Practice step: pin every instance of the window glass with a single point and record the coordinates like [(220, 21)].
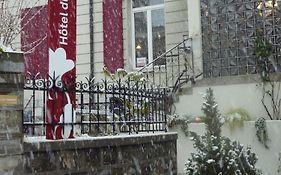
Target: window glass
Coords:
[(143, 3), (141, 39), (158, 33)]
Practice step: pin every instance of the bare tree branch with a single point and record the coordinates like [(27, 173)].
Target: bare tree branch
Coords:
[(11, 18), (265, 107)]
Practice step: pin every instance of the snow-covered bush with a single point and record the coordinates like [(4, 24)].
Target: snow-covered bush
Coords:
[(218, 155), (235, 118), (261, 131), (122, 75), (174, 120)]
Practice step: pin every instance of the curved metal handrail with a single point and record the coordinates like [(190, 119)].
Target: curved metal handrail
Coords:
[(174, 67), (163, 54)]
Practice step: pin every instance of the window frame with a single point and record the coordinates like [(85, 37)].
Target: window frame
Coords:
[(148, 10)]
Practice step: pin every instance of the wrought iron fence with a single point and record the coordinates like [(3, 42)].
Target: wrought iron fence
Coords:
[(172, 68), (101, 108)]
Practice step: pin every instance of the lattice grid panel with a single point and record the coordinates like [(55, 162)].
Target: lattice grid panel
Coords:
[(229, 29)]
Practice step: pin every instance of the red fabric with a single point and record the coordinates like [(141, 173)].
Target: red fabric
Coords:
[(61, 105), (113, 35), (34, 39)]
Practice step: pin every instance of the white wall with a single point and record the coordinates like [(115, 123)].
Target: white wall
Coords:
[(267, 158), (176, 21), (98, 38), (247, 96), (83, 40), (127, 34), (229, 92), (194, 30)]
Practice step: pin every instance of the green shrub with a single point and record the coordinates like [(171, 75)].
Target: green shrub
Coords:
[(235, 118), (217, 155)]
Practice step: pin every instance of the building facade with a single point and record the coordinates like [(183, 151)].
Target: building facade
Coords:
[(148, 29), (131, 33)]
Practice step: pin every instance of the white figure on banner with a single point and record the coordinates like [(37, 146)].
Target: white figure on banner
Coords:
[(59, 105)]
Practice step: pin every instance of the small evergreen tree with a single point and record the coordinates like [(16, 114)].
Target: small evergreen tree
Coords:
[(218, 155)]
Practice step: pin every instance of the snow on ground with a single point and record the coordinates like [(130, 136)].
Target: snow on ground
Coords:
[(36, 139)]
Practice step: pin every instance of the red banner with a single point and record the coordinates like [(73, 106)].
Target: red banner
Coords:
[(62, 58), (113, 34), (34, 40)]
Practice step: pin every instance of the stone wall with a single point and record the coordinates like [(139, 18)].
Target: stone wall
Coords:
[(11, 108), (135, 154)]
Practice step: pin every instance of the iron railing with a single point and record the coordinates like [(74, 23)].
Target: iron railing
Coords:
[(101, 108), (172, 68)]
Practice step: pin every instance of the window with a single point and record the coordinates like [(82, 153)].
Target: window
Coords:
[(148, 31)]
